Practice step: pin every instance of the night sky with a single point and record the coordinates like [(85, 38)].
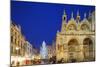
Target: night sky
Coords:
[(40, 21)]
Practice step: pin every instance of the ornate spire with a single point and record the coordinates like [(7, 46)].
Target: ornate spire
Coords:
[(77, 13), (84, 15), (64, 16), (64, 20), (72, 16), (78, 17), (64, 12), (90, 14)]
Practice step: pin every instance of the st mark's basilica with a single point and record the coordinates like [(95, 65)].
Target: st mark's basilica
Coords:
[(76, 40)]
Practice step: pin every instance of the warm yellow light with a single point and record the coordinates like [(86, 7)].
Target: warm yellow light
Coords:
[(17, 48)]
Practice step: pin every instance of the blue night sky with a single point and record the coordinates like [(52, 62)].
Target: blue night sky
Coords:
[(40, 21)]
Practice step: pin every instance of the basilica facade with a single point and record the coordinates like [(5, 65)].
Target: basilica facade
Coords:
[(76, 40)]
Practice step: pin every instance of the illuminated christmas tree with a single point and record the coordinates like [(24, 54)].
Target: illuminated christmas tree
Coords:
[(44, 51)]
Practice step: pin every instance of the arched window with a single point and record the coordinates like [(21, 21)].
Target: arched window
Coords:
[(11, 38), (64, 18)]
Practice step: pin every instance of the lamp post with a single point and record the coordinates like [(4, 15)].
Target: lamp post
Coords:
[(17, 48)]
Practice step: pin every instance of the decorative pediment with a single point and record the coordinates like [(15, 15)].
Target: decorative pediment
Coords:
[(85, 25), (72, 25)]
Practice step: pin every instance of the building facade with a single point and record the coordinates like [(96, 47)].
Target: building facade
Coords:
[(76, 40), (29, 49), (17, 41), (51, 50)]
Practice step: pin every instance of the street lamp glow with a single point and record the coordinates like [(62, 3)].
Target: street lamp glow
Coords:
[(17, 48)]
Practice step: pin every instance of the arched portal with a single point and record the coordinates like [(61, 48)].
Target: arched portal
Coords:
[(88, 49), (72, 50)]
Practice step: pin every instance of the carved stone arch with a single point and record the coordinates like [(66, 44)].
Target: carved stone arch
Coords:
[(73, 42), (72, 50), (90, 37), (73, 37), (88, 48)]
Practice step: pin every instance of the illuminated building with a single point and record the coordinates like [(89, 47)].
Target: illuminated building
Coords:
[(76, 40), (17, 41)]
